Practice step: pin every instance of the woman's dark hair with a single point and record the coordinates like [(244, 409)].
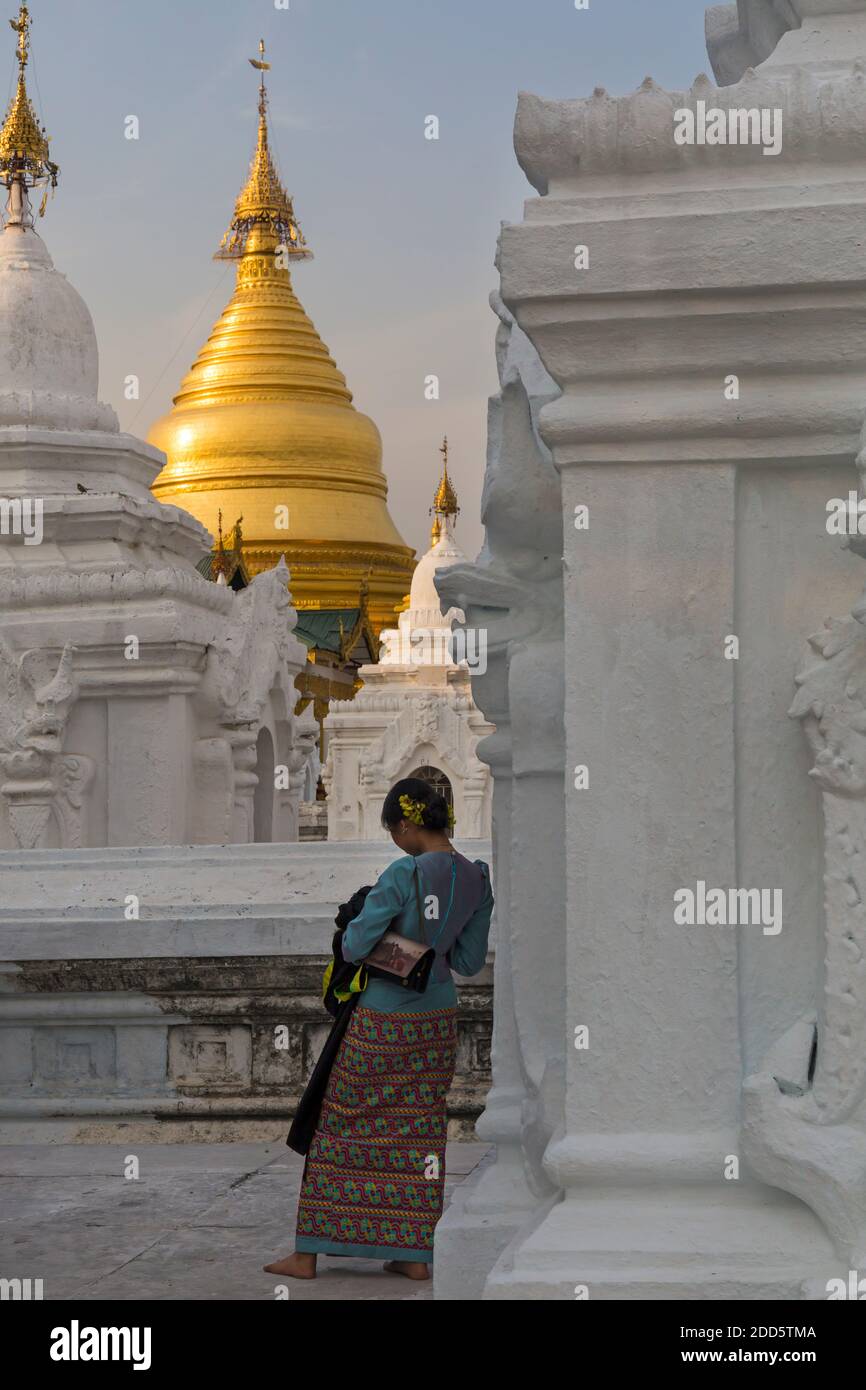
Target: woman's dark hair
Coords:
[(435, 813)]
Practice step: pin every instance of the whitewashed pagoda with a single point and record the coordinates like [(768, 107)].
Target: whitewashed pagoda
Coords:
[(415, 715), (139, 704)]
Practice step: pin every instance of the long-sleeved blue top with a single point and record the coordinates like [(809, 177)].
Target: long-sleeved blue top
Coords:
[(457, 903)]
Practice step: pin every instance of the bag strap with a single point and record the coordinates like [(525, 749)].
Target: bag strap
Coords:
[(443, 924), (418, 902), (421, 933)]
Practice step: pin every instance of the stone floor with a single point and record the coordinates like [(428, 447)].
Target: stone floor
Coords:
[(198, 1223)]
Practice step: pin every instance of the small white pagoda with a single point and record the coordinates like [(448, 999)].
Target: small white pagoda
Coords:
[(415, 715)]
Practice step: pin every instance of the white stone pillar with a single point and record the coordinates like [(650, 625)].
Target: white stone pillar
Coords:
[(513, 595), (486, 1212), (700, 307)]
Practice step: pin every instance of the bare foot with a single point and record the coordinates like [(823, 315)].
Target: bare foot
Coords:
[(413, 1269), (298, 1266)]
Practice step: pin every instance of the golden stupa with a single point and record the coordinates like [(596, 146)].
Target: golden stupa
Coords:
[(263, 426)]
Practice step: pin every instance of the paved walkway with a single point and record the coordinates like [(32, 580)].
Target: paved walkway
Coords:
[(198, 1223)]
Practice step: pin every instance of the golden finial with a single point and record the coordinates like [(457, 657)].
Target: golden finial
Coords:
[(21, 25), (260, 63), (445, 502), (220, 567), (264, 220), (24, 151), (263, 67)]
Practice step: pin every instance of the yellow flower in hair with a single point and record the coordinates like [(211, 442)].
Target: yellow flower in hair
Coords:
[(451, 818), (412, 810)]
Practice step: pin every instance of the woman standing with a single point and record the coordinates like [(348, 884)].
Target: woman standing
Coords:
[(375, 1173)]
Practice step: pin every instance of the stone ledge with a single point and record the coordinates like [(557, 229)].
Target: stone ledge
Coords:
[(119, 1048)]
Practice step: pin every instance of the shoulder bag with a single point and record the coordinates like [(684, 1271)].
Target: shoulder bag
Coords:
[(398, 958)]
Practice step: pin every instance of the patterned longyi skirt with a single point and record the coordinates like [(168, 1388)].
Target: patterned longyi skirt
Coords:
[(375, 1173)]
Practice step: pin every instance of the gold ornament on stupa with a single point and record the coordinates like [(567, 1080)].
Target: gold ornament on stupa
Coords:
[(445, 506), (24, 147), (264, 425), (263, 202)]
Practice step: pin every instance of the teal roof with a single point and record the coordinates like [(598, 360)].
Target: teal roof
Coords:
[(205, 567), (320, 627)]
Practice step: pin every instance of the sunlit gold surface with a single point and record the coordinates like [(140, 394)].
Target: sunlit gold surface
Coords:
[(264, 423)]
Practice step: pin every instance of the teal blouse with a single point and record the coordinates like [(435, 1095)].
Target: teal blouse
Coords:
[(394, 897)]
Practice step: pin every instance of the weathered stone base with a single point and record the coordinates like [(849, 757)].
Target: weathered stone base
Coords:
[(172, 1051), (202, 1020), (480, 1223), (740, 1242)]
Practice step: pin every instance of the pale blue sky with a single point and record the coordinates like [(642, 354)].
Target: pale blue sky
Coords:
[(404, 229)]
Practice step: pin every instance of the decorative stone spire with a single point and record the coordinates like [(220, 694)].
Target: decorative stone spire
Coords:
[(422, 612), (264, 218), (24, 151), (445, 506)]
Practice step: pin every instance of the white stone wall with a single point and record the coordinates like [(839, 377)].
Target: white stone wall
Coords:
[(691, 1145), (174, 994)]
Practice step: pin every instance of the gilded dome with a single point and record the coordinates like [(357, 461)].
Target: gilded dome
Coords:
[(263, 426)]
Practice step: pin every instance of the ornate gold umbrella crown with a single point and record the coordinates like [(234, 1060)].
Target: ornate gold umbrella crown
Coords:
[(24, 151), (445, 501), (263, 204)]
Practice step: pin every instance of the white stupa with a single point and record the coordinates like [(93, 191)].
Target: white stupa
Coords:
[(415, 714), (139, 703)]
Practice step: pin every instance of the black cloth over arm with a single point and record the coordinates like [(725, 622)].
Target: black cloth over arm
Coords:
[(306, 1119), (343, 971), (303, 1127)]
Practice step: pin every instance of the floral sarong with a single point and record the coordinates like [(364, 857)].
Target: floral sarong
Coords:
[(375, 1174)]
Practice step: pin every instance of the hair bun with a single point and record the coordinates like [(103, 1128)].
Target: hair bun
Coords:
[(417, 801), (436, 812)]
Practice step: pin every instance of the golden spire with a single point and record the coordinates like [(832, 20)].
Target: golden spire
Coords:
[(445, 502), (263, 425), (264, 219), (24, 161)]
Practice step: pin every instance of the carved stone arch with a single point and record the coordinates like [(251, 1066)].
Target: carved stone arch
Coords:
[(438, 779), (263, 796)]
